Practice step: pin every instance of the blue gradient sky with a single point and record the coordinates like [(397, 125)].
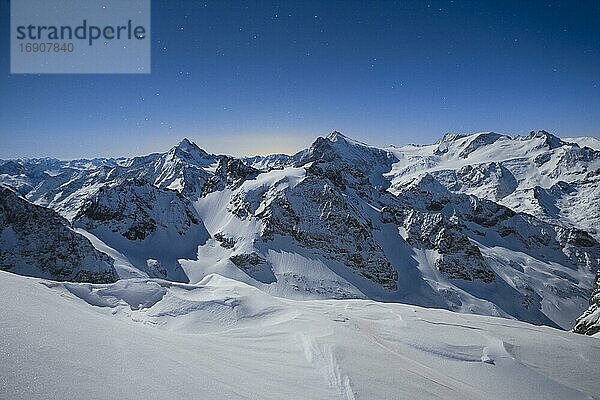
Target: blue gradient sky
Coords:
[(260, 77)]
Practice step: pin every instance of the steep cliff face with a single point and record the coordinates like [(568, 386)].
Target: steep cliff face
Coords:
[(319, 216), (153, 227), (230, 173), (136, 210), (589, 322), (36, 241)]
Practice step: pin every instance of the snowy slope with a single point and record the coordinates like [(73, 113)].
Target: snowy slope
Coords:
[(151, 339), (585, 141), (553, 179)]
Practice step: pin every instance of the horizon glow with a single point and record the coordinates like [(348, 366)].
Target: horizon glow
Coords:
[(246, 79)]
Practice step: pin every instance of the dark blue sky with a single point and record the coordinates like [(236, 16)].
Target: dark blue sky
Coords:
[(260, 77)]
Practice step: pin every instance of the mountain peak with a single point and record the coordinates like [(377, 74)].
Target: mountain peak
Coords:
[(188, 150), (186, 143), (549, 139), (337, 143), (342, 150), (450, 137), (339, 138), (336, 136)]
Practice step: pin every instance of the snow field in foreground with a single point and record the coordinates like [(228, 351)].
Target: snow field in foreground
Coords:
[(221, 339)]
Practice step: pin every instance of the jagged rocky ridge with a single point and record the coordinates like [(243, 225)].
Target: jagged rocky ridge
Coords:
[(136, 210), (555, 180), (155, 226), (36, 241), (479, 223)]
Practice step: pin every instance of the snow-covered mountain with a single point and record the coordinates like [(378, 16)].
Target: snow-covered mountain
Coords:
[(267, 162), (482, 223), (152, 226), (36, 241), (553, 179)]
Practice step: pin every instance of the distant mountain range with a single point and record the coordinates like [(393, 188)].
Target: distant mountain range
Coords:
[(482, 223)]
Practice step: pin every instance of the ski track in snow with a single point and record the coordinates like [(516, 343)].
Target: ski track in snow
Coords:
[(222, 338), (324, 359)]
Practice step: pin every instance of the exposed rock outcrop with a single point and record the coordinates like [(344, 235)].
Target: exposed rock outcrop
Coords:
[(36, 241)]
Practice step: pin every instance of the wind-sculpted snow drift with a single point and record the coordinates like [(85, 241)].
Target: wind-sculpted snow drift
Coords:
[(482, 223), (147, 338)]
